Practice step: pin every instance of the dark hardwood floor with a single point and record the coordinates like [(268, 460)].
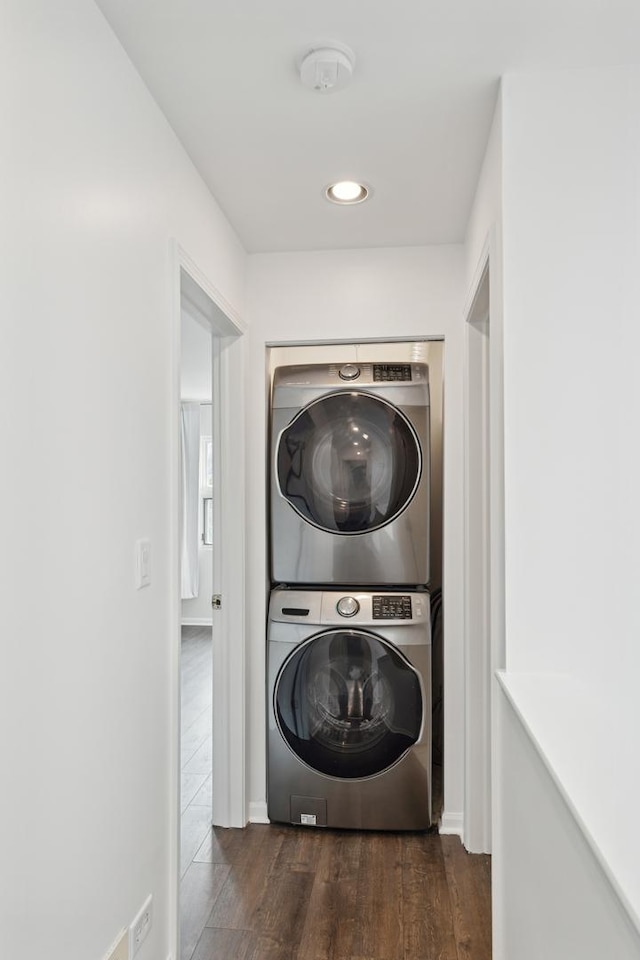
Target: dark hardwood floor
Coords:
[(275, 892)]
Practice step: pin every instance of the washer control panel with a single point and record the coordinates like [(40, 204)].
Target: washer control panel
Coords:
[(391, 607), (383, 372), (347, 606), (409, 610)]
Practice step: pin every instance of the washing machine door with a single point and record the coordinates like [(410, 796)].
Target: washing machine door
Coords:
[(348, 463), (348, 703)]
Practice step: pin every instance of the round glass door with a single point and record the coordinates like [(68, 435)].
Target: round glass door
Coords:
[(349, 463), (348, 704)]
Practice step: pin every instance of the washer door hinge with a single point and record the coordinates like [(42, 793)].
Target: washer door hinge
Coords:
[(216, 601)]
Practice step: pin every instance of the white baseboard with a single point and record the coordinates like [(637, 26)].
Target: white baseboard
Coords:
[(452, 823), (197, 622), (258, 812)]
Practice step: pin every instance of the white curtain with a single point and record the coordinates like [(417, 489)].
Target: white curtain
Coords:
[(190, 434)]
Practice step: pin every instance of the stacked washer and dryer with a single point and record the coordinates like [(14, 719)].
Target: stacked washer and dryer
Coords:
[(349, 640)]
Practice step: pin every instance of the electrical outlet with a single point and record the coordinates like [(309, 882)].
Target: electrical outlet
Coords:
[(119, 949), (140, 927)]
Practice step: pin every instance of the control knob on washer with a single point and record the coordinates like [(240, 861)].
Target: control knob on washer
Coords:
[(347, 606)]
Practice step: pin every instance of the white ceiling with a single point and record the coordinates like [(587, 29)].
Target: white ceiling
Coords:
[(413, 123)]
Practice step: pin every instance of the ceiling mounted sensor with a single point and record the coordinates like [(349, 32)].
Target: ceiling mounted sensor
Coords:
[(327, 66), (346, 192)]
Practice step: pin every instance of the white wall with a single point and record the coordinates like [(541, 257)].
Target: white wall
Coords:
[(571, 155), (560, 903), (349, 296), (572, 284), (94, 185)]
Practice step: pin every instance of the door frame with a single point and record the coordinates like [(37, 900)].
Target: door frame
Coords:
[(190, 286), (483, 537)]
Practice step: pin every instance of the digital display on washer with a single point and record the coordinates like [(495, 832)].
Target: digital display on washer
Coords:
[(391, 371), (391, 608)]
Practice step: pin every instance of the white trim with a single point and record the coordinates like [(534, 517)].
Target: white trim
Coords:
[(333, 342), (479, 686), (477, 565), (482, 266), (188, 283), (229, 802), (175, 605), (480, 718), (236, 326), (258, 812), (452, 824), (197, 622)]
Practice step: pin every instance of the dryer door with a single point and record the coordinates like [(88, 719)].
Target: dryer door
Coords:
[(349, 463), (348, 703)]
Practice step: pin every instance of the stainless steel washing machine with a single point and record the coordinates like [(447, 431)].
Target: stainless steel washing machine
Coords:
[(350, 474), (349, 694)]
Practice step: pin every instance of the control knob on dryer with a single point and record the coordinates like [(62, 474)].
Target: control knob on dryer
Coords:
[(347, 606), (349, 372)]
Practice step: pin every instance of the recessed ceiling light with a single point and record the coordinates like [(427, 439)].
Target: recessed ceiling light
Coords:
[(346, 191)]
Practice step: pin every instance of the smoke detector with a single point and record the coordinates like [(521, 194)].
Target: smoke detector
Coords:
[(327, 66)]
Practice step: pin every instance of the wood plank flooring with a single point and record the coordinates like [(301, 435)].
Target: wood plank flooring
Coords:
[(276, 892)]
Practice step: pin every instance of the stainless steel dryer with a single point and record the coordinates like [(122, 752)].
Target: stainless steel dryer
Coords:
[(350, 474), (349, 696)]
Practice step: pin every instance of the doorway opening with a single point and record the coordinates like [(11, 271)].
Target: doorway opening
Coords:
[(196, 647), (208, 700)]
